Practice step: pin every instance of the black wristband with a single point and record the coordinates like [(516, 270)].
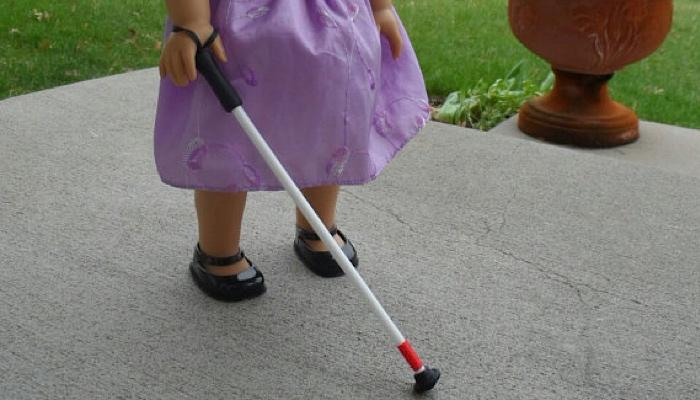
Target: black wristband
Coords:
[(195, 37), (212, 38)]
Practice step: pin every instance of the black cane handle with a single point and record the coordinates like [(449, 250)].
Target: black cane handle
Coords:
[(208, 67)]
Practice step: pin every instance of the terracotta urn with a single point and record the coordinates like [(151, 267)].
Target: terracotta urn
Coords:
[(586, 41)]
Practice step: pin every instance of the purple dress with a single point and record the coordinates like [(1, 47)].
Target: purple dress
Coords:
[(318, 82)]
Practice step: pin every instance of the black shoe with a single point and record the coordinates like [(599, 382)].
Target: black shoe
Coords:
[(321, 262), (244, 285)]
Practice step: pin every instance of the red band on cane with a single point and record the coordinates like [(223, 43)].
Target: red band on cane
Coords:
[(410, 355)]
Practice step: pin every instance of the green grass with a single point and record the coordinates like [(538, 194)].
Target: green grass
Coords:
[(458, 43), (462, 41), (48, 43)]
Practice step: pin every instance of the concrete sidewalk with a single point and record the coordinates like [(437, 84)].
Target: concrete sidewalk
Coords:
[(666, 147), (521, 270)]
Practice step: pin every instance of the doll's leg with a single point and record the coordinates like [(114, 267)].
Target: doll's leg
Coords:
[(323, 200), (219, 215)]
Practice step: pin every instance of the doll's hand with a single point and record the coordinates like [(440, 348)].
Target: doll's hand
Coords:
[(177, 59), (389, 27)]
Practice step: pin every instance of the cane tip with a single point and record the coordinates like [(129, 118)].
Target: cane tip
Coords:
[(426, 380)]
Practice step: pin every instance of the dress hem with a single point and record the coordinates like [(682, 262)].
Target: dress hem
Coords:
[(278, 187)]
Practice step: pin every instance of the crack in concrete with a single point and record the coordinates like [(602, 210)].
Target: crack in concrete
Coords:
[(561, 278), (383, 210), (589, 366), (505, 211), (577, 287)]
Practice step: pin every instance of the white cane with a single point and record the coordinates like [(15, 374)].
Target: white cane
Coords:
[(425, 377)]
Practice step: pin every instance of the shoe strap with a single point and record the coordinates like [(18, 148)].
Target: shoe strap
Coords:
[(206, 259), (311, 235)]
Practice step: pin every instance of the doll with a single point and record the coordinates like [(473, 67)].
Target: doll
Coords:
[(334, 87)]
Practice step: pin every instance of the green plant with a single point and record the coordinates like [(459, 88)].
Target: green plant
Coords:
[(485, 106)]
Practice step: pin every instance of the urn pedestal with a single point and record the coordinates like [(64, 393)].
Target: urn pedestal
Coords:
[(586, 41)]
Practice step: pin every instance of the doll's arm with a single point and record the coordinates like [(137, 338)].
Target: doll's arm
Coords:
[(380, 4), (177, 59), (387, 24), (194, 15)]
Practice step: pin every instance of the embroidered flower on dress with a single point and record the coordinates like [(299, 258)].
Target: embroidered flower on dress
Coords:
[(381, 123), (258, 12), (249, 75), (326, 18), (353, 11), (195, 151), (421, 122), (251, 174), (338, 160), (195, 159)]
